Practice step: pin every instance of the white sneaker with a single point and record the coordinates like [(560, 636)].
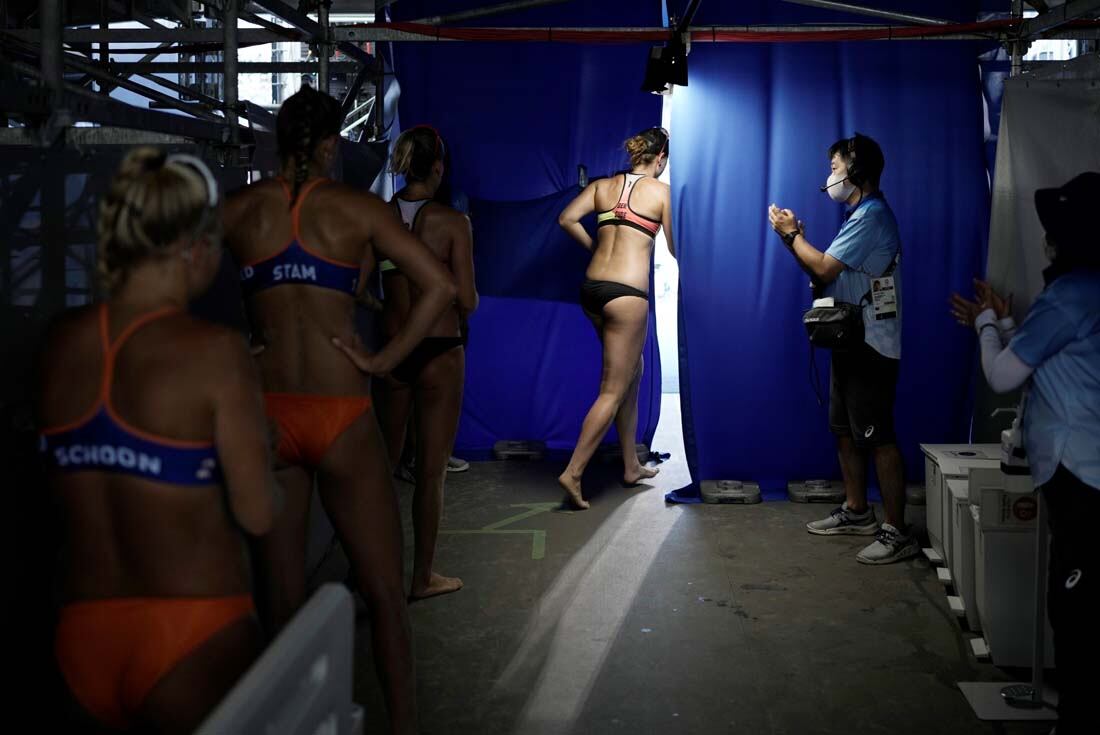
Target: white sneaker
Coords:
[(454, 464), (890, 545), (844, 521)]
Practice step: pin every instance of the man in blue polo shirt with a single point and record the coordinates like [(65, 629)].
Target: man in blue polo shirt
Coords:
[(862, 266)]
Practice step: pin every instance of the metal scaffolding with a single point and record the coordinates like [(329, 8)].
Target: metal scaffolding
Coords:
[(62, 134)]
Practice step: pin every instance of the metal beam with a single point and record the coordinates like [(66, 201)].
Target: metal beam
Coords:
[(349, 35), (289, 33), (1016, 48), (229, 57), (87, 106), (324, 48), (353, 90), (113, 135), (89, 68), (360, 34), (53, 76), (689, 15), (359, 121), (160, 34), (195, 95), (181, 15), (216, 67), (487, 11), (1072, 10), (148, 22), (105, 45), (214, 9), (293, 16), (648, 34), (378, 128), (311, 27), (873, 12)]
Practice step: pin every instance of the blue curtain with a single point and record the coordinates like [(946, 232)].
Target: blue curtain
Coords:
[(522, 116), (533, 362), (753, 128), (518, 120)]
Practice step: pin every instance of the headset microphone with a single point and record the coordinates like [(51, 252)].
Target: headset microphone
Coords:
[(830, 186)]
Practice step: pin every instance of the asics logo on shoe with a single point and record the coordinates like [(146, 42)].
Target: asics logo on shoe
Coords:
[(1073, 579), (869, 433)]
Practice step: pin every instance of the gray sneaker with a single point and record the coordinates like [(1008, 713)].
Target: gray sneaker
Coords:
[(844, 521), (890, 545), (454, 464)]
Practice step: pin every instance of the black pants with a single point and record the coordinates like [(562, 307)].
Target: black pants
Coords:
[(1074, 599)]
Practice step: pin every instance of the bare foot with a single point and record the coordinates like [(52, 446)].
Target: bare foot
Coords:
[(439, 585), (572, 487), (641, 472)]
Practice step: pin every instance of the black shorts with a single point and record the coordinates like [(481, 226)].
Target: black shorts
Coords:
[(861, 396)]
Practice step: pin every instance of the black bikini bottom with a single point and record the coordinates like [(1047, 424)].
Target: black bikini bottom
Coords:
[(428, 349), (596, 294)]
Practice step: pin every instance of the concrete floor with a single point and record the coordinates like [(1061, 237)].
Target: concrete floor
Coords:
[(646, 618)]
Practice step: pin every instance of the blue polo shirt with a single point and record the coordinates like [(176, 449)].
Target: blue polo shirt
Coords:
[(1060, 339), (866, 244)]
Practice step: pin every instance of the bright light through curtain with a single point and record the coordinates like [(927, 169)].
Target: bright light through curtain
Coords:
[(519, 118)]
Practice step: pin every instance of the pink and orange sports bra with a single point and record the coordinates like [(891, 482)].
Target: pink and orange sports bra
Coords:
[(622, 214)]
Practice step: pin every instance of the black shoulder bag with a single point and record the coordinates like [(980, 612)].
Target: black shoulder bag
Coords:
[(840, 327)]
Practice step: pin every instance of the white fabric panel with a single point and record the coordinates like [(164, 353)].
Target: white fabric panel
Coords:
[(1050, 132)]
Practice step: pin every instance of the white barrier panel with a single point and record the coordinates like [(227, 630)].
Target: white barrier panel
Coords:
[(301, 685)]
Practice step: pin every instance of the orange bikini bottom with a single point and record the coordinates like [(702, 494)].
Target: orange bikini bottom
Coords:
[(309, 424), (113, 652)]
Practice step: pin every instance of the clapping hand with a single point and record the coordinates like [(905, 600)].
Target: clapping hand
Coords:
[(990, 299), (783, 221), (966, 311)]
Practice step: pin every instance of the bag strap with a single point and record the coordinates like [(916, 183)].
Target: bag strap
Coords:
[(889, 269)]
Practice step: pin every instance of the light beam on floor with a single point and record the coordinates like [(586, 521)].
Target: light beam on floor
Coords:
[(582, 612)]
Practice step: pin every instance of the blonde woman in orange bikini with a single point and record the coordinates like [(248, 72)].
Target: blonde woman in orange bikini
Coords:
[(156, 448)]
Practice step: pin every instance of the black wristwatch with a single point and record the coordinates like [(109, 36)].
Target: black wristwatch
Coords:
[(788, 239)]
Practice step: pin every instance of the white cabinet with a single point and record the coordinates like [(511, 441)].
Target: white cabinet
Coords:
[(944, 462), (962, 548), (1004, 527)]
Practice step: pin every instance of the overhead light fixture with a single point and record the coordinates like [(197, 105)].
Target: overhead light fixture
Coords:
[(666, 67), (656, 80)]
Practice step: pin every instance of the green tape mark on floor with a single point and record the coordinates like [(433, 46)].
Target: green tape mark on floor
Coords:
[(538, 536), (533, 509)]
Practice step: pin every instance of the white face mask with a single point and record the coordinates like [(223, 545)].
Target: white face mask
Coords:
[(839, 187)]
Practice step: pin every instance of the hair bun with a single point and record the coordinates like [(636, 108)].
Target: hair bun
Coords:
[(637, 146)]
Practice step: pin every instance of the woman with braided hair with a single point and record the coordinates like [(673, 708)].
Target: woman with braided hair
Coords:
[(157, 450), (302, 242), (632, 207)]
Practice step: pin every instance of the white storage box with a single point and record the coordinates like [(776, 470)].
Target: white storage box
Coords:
[(945, 461), (1004, 572), (962, 549)]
